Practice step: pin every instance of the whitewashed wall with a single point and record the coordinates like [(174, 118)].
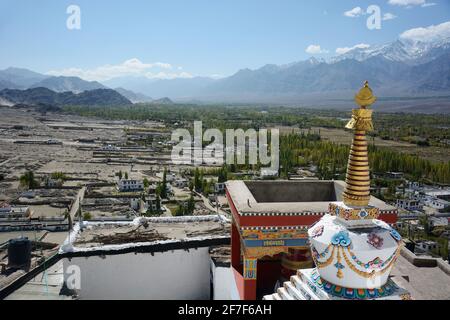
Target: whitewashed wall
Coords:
[(170, 275), (224, 285)]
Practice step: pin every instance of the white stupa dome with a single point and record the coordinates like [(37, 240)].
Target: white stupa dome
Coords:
[(358, 258)]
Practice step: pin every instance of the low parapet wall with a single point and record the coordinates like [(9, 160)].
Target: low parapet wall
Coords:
[(425, 262)]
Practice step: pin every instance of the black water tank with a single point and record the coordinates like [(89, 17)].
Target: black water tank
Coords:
[(19, 253)]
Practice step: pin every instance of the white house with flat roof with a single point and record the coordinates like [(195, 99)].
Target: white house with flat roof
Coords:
[(124, 185), (409, 204)]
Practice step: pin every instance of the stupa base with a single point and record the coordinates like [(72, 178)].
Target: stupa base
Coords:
[(307, 285)]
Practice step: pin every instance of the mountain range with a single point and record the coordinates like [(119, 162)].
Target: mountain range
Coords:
[(44, 96), (134, 97), (403, 68), (63, 84)]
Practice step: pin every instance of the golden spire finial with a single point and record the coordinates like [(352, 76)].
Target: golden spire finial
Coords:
[(365, 97), (357, 190)]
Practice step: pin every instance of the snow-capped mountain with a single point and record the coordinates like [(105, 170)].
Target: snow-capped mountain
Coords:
[(402, 50)]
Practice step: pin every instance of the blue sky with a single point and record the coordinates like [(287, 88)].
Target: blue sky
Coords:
[(176, 38)]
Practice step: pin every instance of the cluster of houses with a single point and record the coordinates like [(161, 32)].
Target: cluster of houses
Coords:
[(415, 197), (424, 201), (148, 201), (9, 211)]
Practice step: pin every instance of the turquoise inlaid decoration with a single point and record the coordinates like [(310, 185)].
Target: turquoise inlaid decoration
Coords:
[(396, 235), (250, 268), (341, 239)]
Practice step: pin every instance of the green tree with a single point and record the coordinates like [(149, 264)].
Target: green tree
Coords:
[(87, 216), (27, 180), (146, 183), (191, 205), (223, 174), (162, 186), (180, 211), (426, 224), (198, 180), (59, 176), (158, 203)]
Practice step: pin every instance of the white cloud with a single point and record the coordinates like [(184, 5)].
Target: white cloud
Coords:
[(131, 67), (405, 3), (347, 49), (315, 49), (411, 3), (428, 34), (355, 12), (389, 16), (428, 4)]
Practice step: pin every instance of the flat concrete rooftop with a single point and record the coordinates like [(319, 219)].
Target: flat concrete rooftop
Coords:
[(292, 191), (148, 230), (424, 283), (285, 196)]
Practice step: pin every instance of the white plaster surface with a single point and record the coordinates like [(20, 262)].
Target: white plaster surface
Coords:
[(177, 274), (224, 284)]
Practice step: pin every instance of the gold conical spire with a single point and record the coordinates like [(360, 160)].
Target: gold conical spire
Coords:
[(365, 97), (357, 190)]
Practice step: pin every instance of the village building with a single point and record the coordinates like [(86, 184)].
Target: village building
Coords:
[(5, 207), (180, 183), (436, 203), (267, 173), (30, 194), (438, 222), (219, 187), (409, 204), (394, 175), (426, 246), (144, 204), (129, 185), (50, 182), (9, 211), (109, 147), (443, 194)]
